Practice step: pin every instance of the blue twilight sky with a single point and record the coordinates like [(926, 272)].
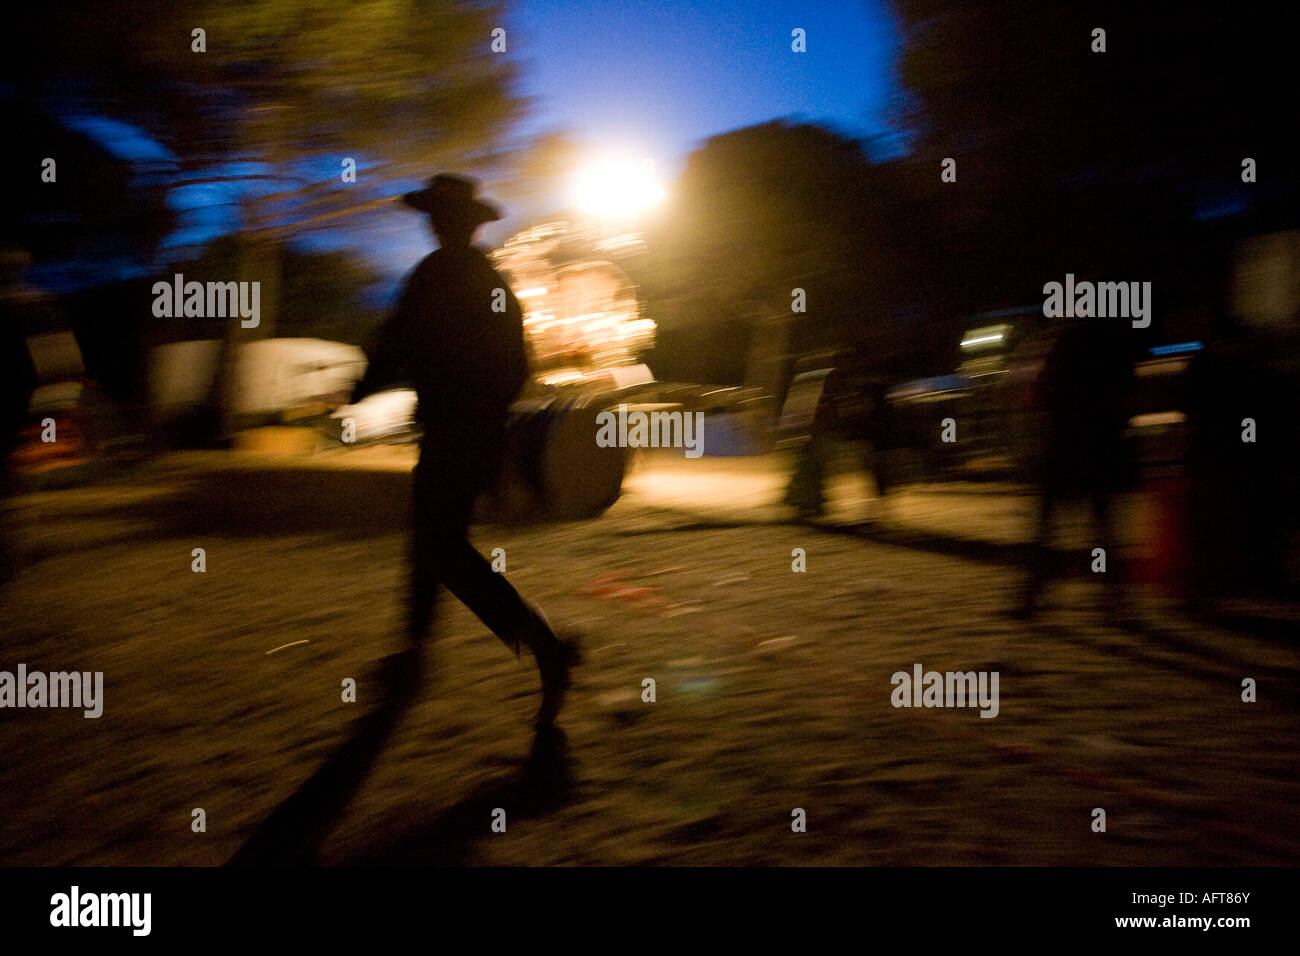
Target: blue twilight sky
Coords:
[(667, 74), (653, 77)]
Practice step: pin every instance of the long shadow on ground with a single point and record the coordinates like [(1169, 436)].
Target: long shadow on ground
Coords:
[(295, 831), (542, 784), (973, 549)]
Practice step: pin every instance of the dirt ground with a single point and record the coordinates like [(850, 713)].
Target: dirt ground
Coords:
[(772, 687)]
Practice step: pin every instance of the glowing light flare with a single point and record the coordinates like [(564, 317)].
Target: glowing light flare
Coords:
[(614, 187)]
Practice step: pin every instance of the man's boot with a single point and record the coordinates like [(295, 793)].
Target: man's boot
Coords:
[(556, 657), (555, 662)]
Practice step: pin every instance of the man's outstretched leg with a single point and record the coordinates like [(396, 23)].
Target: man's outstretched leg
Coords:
[(445, 492), (469, 576)]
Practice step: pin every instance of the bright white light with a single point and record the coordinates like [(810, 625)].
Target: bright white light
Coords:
[(562, 377), (531, 293), (615, 187), (983, 338)]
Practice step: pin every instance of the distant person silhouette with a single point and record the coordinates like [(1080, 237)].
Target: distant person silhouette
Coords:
[(1242, 511), (1084, 388), (17, 383), (853, 406), (457, 336)]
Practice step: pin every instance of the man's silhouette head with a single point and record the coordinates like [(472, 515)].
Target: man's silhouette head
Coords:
[(454, 211)]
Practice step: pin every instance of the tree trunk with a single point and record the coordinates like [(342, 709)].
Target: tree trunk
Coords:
[(766, 362), (259, 261)]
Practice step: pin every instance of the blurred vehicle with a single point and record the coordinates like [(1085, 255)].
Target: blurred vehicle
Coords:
[(554, 469), (905, 420), (991, 398), (974, 397), (68, 422)]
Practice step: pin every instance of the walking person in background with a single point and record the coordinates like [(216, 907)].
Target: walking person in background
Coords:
[(457, 336), (853, 406), (1084, 388)]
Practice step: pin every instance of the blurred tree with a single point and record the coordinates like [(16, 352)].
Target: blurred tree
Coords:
[(1071, 159), (411, 84), (412, 81), (539, 171), (757, 214), (324, 297), (100, 210), (323, 293)]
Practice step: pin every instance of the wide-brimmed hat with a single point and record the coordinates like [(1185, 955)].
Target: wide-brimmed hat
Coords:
[(453, 196)]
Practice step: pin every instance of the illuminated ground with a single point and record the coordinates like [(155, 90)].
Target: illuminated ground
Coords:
[(773, 688)]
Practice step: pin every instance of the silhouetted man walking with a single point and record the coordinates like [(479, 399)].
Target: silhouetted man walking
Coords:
[(457, 336)]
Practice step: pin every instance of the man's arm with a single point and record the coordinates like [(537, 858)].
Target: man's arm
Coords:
[(388, 358)]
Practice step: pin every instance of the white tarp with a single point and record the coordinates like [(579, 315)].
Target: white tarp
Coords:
[(275, 374), (270, 374)]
